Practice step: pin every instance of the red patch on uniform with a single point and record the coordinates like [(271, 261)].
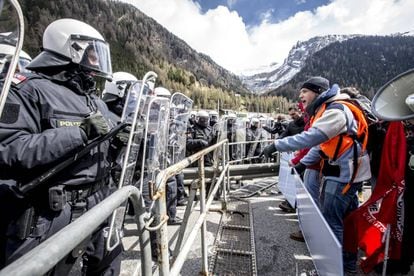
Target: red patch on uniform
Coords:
[(17, 78)]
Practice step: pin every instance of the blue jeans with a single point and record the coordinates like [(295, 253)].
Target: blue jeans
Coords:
[(311, 181), (335, 206)]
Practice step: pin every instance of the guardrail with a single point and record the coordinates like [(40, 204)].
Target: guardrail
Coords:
[(45, 256)]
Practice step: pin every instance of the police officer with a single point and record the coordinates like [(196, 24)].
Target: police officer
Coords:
[(214, 117), (115, 92), (200, 137), (254, 134), (6, 54), (172, 184), (50, 115)]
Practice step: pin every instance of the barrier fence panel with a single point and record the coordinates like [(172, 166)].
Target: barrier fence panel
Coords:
[(287, 179), (324, 247)]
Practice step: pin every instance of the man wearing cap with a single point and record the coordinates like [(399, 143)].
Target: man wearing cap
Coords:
[(331, 122)]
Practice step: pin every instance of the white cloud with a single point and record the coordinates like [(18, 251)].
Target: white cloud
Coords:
[(224, 36)]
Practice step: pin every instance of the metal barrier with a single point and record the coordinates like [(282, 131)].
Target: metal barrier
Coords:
[(324, 247), (45, 256)]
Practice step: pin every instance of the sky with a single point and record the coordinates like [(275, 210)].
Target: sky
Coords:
[(241, 35)]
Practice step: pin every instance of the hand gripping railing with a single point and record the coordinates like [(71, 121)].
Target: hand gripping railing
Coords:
[(45, 256)]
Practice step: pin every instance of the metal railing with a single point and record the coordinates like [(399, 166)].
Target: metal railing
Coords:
[(45, 256)]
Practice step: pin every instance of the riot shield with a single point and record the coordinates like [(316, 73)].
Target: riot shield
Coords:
[(234, 129), (255, 136), (264, 134), (133, 114), (155, 140), (11, 33), (240, 138), (180, 108)]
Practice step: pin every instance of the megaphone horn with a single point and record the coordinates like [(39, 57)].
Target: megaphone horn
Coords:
[(395, 100)]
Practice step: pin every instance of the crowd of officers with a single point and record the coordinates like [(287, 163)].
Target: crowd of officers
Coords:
[(51, 113)]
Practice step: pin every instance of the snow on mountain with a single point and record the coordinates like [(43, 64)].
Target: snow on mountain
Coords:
[(264, 81), (261, 69)]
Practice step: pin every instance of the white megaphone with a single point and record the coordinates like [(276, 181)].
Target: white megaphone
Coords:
[(395, 100)]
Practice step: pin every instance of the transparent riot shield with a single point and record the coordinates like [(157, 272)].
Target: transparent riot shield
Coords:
[(240, 138), (264, 134), (180, 108), (155, 140), (133, 114), (255, 136), (234, 129), (11, 33)]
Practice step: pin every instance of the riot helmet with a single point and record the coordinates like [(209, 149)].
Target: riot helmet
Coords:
[(202, 118), (6, 53), (214, 117), (255, 123), (69, 41), (117, 88), (231, 119)]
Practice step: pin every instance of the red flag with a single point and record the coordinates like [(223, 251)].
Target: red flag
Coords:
[(365, 227)]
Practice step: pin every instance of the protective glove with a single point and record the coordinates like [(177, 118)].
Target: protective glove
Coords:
[(123, 136), (202, 143), (95, 125), (268, 150), (300, 168)]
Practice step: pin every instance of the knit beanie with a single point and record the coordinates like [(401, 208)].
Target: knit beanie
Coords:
[(316, 84)]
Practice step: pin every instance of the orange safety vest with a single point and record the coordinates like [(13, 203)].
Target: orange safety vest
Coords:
[(336, 146)]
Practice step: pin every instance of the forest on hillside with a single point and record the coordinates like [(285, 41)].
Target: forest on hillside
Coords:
[(139, 44), (366, 63)]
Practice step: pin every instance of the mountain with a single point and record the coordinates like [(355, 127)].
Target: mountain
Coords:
[(365, 62), (267, 81), (139, 44)]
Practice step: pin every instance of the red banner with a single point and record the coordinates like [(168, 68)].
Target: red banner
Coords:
[(365, 227)]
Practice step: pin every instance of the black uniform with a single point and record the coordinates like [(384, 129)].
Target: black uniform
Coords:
[(294, 127), (198, 138), (278, 128), (253, 149), (39, 129)]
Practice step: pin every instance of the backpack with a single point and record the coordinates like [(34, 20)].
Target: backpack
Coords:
[(376, 128)]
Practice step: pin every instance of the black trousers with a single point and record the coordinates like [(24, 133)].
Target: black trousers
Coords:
[(95, 259)]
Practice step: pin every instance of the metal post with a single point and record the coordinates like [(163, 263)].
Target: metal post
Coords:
[(162, 234), (228, 172), (387, 235), (223, 157), (203, 211)]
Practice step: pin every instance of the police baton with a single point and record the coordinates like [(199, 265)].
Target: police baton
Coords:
[(63, 165)]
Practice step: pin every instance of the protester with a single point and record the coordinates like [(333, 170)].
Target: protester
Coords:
[(332, 121)]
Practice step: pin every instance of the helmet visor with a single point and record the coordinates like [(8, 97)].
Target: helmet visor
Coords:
[(91, 54), (23, 62)]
